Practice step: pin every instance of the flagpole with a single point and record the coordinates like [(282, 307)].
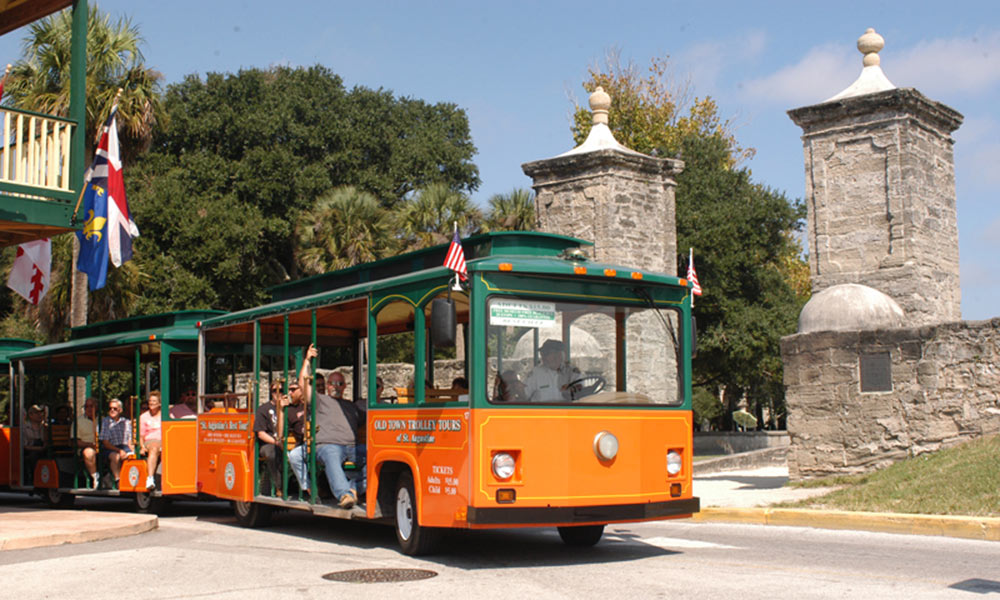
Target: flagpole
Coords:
[(83, 187), (691, 262)]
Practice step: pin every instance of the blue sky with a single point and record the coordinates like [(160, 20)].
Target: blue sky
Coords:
[(516, 67)]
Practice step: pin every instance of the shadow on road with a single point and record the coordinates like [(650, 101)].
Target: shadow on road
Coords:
[(470, 550)]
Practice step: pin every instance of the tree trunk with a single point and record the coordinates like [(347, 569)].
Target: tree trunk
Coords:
[(78, 312)]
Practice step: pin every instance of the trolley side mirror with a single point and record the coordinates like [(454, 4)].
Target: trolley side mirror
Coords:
[(443, 322), (694, 336)]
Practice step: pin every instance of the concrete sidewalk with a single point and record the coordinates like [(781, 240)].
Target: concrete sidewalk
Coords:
[(746, 496), (22, 528)]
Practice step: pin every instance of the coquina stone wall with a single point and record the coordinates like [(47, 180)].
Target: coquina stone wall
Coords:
[(945, 389), (880, 193)]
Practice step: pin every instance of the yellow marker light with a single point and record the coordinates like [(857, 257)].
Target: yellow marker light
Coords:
[(580, 270), (683, 282), (636, 275), (675, 490), (610, 272), (506, 496), (152, 337), (505, 267)]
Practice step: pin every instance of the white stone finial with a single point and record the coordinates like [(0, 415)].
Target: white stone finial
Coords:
[(600, 103), (869, 45), (872, 79)]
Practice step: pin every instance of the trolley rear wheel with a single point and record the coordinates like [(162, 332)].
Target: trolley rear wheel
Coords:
[(56, 499), (148, 503), (252, 514), (581, 535)]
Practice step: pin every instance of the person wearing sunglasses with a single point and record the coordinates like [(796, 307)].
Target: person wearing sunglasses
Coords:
[(115, 434)]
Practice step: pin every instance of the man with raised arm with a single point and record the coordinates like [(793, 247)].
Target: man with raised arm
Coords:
[(337, 421), (297, 415)]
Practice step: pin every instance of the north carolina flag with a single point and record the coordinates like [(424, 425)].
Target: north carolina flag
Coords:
[(455, 260), (692, 276), (30, 274), (108, 227)]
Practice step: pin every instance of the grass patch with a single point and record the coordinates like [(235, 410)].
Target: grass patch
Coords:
[(963, 480)]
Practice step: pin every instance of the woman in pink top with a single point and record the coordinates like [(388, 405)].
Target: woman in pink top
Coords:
[(149, 438)]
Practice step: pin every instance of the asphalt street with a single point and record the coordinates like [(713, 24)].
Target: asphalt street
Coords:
[(199, 552)]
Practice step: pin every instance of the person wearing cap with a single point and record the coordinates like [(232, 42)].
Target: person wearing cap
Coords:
[(549, 381)]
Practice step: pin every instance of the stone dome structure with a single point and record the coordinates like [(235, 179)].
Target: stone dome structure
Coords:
[(850, 307)]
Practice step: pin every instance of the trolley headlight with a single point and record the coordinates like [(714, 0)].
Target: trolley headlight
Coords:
[(605, 445), (503, 466), (673, 462)]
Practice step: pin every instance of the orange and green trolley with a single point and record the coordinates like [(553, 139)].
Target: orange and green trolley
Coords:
[(469, 431), (124, 360)]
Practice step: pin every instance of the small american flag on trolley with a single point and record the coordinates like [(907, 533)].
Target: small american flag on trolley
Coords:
[(692, 276), (456, 258)]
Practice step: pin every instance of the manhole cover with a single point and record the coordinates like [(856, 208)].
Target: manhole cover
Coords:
[(379, 575)]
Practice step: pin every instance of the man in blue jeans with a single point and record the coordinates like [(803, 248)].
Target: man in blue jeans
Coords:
[(337, 421)]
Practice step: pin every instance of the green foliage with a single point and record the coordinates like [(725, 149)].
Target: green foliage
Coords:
[(513, 211), (40, 80), (706, 406), (740, 233), (244, 188), (430, 217), (964, 480), (344, 228)]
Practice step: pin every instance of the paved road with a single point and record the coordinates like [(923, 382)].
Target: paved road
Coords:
[(198, 552)]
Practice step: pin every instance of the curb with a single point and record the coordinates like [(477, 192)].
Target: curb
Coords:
[(15, 542), (752, 459), (975, 528)]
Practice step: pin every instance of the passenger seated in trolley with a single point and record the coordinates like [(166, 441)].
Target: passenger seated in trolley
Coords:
[(187, 408), (86, 440), (150, 439), (549, 381), (34, 442), (337, 421), (265, 428), (115, 434)]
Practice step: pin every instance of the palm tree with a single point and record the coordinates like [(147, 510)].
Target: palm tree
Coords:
[(513, 211), (427, 219), (41, 82), (344, 228)]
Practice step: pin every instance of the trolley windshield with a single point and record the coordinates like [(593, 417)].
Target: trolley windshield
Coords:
[(556, 352)]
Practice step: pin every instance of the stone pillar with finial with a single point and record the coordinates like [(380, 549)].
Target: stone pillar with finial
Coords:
[(617, 198), (880, 192)]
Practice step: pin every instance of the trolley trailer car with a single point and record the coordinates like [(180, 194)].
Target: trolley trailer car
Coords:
[(124, 360), (469, 431)]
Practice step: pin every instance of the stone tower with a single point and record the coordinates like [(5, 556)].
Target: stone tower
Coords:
[(880, 192), (618, 198)]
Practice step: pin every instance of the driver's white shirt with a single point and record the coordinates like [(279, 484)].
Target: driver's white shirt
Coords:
[(545, 384)]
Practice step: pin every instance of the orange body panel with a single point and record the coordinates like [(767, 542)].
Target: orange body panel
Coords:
[(435, 445), (556, 464), (180, 448), (133, 475), (5, 456), (46, 474), (224, 459)]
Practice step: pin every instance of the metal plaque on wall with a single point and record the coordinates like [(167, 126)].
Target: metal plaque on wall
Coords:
[(876, 372)]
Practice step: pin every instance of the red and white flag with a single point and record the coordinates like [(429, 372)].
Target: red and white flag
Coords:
[(455, 260), (29, 276), (692, 276)]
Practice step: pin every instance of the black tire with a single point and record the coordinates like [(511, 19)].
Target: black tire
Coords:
[(414, 539), (581, 535), (252, 514), (147, 503), (56, 499)]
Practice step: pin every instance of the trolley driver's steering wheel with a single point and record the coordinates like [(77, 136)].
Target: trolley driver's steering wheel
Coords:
[(585, 386)]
